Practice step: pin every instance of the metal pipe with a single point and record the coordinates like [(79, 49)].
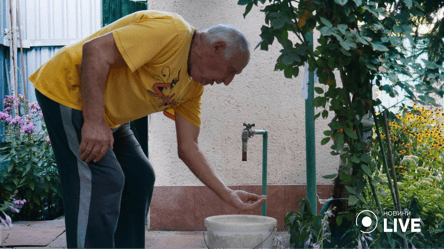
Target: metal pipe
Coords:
[(310, 137), (264, 167), (247, 133)]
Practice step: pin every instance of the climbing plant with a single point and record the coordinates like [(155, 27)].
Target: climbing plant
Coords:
[(360, 44)]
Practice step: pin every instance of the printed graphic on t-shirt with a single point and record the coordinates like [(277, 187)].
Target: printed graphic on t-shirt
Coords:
[(163, 84)]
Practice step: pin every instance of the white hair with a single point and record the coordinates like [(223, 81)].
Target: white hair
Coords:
[(232, 36)]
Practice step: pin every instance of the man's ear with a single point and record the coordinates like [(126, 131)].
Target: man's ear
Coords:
[(219, 46)]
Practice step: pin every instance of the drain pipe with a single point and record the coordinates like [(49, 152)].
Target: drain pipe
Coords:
[(247, 133)]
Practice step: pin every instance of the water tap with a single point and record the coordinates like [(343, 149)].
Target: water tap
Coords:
[(246, 133)]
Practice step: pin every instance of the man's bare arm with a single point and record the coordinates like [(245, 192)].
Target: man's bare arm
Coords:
[(188, 150), (98, 56)]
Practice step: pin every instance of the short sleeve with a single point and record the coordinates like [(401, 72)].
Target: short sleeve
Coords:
[(141, 41), (189, 109)]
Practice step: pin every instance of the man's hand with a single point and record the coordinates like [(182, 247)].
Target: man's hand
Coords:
[(96, 139), (245, 201)]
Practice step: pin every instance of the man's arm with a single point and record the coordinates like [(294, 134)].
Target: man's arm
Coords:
[(98, 56), (189, 153)]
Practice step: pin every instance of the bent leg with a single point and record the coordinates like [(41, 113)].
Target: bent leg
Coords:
[(91, 191), (138, 190)]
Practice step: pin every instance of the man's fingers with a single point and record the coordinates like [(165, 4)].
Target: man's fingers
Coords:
[(254, 201), (86, 150), (102, 153), (259, 202), (94, 153), (252, 196), (254, 205), (83, 146), (111, 143)]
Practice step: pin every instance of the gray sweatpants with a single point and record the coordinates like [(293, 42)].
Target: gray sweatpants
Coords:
[(106, 203)]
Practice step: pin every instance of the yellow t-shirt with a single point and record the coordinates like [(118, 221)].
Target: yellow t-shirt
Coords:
[(155, 45)]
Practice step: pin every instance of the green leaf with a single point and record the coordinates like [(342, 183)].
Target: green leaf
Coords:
[(395, 41), (331, 62), (324, 114), (358, 2), (325, 140), (287, 60), (339, 220), (407, 29), (28, 167), (32, 185), (366, 169), (319, 90), (350, 189), (397, 29), (278, 23), (360, 197), (362, 40), (248, 9), (355, 159), (345, 52), (347, 44), (339, 141), (326, 31), (329, 176), (379, 47), (288, 72), (366, 158), (244, 2), (341, 2), (16, 181), (352, 200), (343, 28), (409, 3), (336, 125), (350, 133), (336, 104), (320, 62), (36, 199), (326, 22)]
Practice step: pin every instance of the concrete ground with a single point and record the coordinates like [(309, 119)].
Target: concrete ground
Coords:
[(51, 234)]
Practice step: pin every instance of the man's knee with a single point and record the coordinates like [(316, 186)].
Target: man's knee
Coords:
[(150, 175)]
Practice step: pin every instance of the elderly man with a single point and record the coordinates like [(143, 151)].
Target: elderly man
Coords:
[(146, 62)]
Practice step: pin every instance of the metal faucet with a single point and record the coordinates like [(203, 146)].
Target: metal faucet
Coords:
[(246, 133)]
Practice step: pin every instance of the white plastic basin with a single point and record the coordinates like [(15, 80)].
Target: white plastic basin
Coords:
[(240, 231)]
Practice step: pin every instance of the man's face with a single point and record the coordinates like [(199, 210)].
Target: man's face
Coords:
[(214, 67)]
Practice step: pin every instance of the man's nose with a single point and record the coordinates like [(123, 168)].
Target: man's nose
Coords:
[(228, 80)]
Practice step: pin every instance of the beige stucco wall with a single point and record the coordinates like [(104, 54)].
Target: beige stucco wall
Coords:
[(259, 95)]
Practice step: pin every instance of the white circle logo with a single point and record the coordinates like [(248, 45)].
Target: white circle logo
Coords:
[(367, 221)]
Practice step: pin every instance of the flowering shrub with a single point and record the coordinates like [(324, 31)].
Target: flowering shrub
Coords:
[(15, 207), (417, 139), (420, 133), (29, 170)]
